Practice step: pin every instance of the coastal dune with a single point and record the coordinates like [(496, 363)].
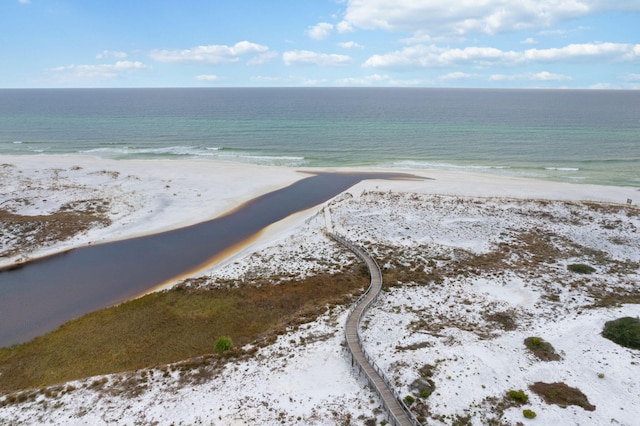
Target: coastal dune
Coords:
[(150, 196), (482, 316)]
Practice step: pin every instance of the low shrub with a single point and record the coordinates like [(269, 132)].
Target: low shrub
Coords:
[(409, 399), (529, 414), (624, 331), (223, 344), (519, 396), (542, 349), (580, 268)]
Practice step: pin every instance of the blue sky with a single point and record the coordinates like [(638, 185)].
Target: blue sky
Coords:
[(423, 43)]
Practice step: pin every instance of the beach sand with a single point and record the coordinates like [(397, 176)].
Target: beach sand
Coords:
[(150, 196), (305, 377)]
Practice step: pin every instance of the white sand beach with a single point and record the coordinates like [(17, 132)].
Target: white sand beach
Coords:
[(457, 326)]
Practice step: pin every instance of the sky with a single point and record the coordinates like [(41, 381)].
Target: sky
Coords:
[(582, 44)]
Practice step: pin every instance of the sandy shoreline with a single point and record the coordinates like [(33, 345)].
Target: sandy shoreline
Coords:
[(469, 324), (150, 196)]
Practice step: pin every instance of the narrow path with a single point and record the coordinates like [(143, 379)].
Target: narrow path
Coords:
[(398, 412)]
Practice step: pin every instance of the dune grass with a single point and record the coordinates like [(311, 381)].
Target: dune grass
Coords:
[(169, 326)]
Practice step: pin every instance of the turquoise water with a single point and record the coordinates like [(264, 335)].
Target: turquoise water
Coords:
[(573, 136)]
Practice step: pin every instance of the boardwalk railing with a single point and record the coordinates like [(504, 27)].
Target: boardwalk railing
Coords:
[(398, 412)]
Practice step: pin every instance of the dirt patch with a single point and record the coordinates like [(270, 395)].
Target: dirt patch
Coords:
[(542, 349), (561, 394), (23, 234)]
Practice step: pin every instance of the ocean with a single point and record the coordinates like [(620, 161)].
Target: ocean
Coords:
[(580, 136)]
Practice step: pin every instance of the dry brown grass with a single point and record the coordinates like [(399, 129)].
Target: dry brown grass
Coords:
[(169, 326), (26, 233), (561, 394)]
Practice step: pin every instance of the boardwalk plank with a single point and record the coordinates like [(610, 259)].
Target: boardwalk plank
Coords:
[(396, 412)]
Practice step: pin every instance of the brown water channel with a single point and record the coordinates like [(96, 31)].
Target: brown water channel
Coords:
[(43, 294)]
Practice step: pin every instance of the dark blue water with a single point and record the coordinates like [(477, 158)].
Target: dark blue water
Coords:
[(582, 136)]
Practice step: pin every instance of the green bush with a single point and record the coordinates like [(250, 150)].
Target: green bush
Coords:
[(519, 396), (533, 342), (409, 399), (529, 414), (624, 331), (580, 268), (223, 344)]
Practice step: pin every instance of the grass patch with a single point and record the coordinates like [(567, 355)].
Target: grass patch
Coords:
[(561, 394), (518, 396), (624, 331), (223, 344), (542, 349), (168, 326), (580, 268)]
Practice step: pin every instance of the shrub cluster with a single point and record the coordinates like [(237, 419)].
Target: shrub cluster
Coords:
[(580, 268), (542, 349), (624, 331), (518, 396)]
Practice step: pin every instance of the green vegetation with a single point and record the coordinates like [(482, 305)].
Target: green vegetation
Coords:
[(541, 349), (580, 268), (561, 394), (169, 326), (425, 394), (409, 399), (518, 396), (533, 342), (624, 331), (529, 414), (223, 344)]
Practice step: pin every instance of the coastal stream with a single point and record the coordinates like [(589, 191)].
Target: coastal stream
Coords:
[(41, 295)]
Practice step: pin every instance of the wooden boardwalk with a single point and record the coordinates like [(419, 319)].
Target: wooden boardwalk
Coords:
[(397, 411)]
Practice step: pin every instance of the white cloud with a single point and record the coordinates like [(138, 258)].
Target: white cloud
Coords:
[(423, 56), (620, 50), (540, 76), (631, 77), (320, 31), (364, 81), (344, 27), (263, 58), (457, 75), (289, 80), (111, 54), (349, 45), (211, 54), (24, 1), (306, 57), (563, 32), (529, 40), (97, 72), (207, 77), (444, 17)]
